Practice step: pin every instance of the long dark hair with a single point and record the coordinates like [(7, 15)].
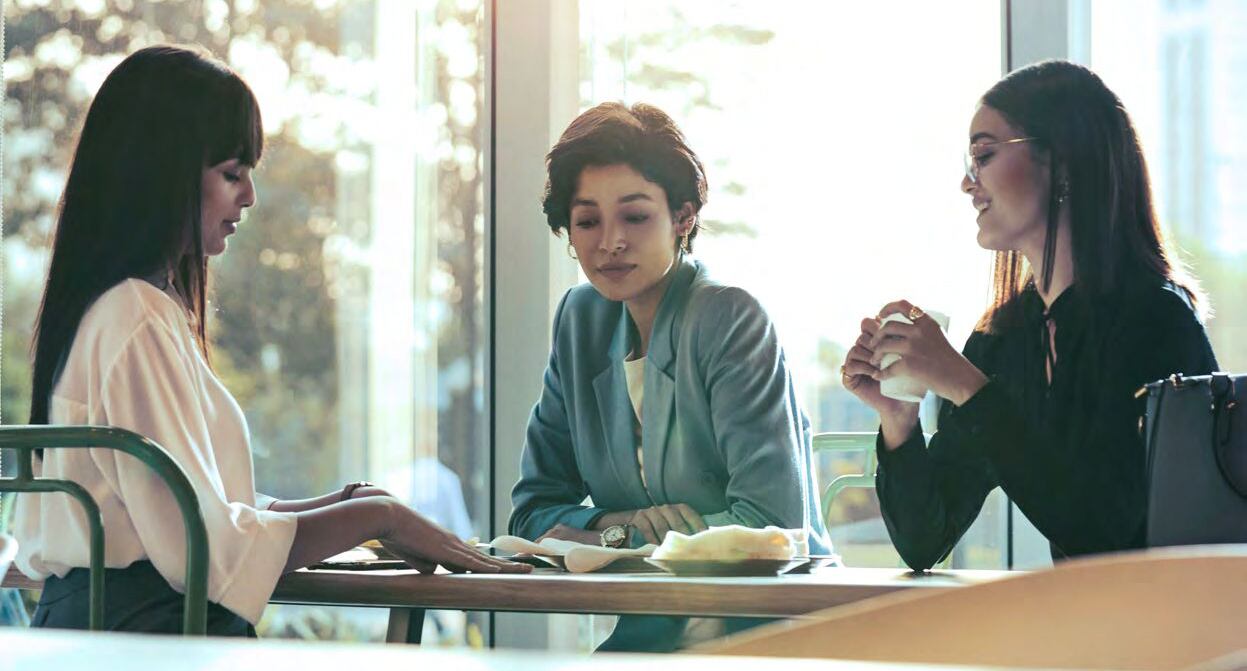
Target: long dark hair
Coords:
[(131, 206), (1093, 148)]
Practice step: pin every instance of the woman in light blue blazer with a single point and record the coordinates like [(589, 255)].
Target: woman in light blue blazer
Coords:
[(667, 400)]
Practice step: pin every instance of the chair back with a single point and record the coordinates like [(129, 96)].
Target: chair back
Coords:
[(8, 550), (25, 440), (1152, 609)]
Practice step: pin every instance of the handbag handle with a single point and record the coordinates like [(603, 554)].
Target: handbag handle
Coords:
[(1224, 400)]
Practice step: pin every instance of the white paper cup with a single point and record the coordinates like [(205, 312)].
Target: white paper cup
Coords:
[(903, 387)]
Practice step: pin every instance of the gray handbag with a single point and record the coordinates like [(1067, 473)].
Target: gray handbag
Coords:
[(1196, 437)]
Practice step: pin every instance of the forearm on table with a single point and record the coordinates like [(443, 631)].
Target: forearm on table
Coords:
[(330, 529), (304, 505)]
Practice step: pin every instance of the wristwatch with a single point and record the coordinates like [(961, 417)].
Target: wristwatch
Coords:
[(614, 536), (349, 490)]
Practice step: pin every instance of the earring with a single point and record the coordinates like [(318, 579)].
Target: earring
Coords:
[(570, 254), (684, 243), (1062, 192)]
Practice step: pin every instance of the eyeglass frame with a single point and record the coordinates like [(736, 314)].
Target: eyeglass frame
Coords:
[(972, 160)]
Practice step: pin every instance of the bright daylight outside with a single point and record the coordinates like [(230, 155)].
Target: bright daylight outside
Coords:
[(834, 188), (349, 316)]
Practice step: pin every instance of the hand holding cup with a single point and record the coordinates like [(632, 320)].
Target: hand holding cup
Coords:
[(910, 346)]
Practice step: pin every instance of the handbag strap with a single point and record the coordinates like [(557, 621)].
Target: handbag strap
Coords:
[(1224, 400), (1153, 425)]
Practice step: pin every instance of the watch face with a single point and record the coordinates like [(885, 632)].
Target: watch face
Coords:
[(613, 535)]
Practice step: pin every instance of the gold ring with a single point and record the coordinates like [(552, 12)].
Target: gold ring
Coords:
[(844, 373), (915, 313)]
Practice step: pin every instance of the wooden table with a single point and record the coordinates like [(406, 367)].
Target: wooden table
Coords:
[(407, 594), (90, 651)]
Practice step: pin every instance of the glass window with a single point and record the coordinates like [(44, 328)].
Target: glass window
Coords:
[(1178, 68), (347, 315), (832, 138)]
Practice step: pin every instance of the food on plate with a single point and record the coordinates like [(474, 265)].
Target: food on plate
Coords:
[(733, 543)]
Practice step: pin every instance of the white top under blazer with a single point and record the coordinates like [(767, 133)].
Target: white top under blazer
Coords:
[(135, 364)]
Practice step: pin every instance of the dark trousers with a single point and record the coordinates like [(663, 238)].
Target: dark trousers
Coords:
[(662, 633), (136, 599)]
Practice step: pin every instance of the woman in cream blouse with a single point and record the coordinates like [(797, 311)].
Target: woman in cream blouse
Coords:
[(159, 181)]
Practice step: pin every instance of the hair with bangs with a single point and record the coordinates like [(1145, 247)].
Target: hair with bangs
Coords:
[(1091, 142), (131, 205), (641, 137)]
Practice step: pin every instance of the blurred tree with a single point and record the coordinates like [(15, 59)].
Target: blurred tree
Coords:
[(662, 53), (274, 294)]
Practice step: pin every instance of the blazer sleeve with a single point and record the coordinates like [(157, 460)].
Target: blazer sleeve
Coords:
[(759, 428), (151, 389), (550, 490)]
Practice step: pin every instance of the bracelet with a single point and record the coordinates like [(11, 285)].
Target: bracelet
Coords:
[(349, 490)]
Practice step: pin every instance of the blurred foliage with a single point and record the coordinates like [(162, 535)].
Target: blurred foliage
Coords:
[(273, 318), (663, 54)]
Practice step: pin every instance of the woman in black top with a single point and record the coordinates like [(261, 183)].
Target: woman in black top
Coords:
[(1088, 306)]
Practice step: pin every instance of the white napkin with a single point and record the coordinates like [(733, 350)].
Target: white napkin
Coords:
[(577, 557)]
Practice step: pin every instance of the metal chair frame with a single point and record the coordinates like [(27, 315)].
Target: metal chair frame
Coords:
[(24, 440)]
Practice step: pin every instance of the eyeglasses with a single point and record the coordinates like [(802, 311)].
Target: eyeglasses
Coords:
[(975, 151)]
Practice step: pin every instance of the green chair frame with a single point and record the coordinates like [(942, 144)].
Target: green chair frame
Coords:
[(857, 441), (24, 440), (852, 441)]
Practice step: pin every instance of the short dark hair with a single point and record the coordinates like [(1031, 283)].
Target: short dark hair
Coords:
[(1092, 143), (642, 137)]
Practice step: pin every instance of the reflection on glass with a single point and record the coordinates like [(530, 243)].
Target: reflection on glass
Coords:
[(346, 316)]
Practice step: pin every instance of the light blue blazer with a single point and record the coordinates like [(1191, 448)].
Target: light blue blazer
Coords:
[(722, 430)]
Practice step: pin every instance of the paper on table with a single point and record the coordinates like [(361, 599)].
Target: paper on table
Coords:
[(577, 557)]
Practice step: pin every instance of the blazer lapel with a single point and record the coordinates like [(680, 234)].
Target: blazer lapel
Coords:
[(611, 389), (659, 401), (659, 405)]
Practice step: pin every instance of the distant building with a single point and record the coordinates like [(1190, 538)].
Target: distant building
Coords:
[(1201, 163)]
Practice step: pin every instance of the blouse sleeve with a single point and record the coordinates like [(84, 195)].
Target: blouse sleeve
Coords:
[(152, 389), (1085, 490), (930, 495), (758, 425)]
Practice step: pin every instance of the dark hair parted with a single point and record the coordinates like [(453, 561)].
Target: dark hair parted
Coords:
[(131, 205), (1094, 150), (642, 137)]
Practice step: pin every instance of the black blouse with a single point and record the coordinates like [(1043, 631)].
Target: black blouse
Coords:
[(1069, 453)]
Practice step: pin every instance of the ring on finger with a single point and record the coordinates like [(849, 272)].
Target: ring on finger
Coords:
[(915, 313)]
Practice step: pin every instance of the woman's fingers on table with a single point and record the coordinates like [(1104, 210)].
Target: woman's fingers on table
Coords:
[(691, 517), (478, 563), (673, 520), (642, 522)]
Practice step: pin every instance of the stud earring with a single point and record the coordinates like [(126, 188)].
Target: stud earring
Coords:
[(1062, 192)]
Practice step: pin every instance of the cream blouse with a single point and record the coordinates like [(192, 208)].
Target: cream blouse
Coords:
[(135, 364)]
